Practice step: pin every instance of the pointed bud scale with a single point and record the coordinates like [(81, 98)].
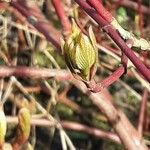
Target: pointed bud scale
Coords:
[(80, 53)]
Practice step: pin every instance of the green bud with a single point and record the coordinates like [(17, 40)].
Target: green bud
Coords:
[(23, 129), (80, 53), (24, 122)]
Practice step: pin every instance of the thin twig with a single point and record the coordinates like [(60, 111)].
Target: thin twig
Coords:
[(62, 16), (133, 5), (34, 72), (93, 131), (142, 112)]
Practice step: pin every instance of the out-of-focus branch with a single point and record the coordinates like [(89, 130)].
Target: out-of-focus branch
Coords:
[(61, 14), (120, 123), (133, 5), (142, 112), (32, 72), (3, 6), (92, 131)]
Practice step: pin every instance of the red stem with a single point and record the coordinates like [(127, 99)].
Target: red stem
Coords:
[(33, 72), (112, 78), (101, 10), (107, 81), (116, 38), (92, 131), (61, 14), (142, 112)]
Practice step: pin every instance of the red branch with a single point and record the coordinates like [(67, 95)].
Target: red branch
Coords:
[(32, 72), (142, 112), (112, 78), (101, 10), (61, 14), (107, 81)]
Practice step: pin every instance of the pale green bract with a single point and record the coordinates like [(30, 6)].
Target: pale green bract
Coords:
[(80, 53)]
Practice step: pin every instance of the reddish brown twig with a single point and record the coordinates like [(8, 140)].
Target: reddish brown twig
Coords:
[(142, 112), (37, 73), (97, 87), (133, 5), (92, 131), (110, 79), (19, 16), (101, 10), (22, 40), (32, 72), (61, 14)]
